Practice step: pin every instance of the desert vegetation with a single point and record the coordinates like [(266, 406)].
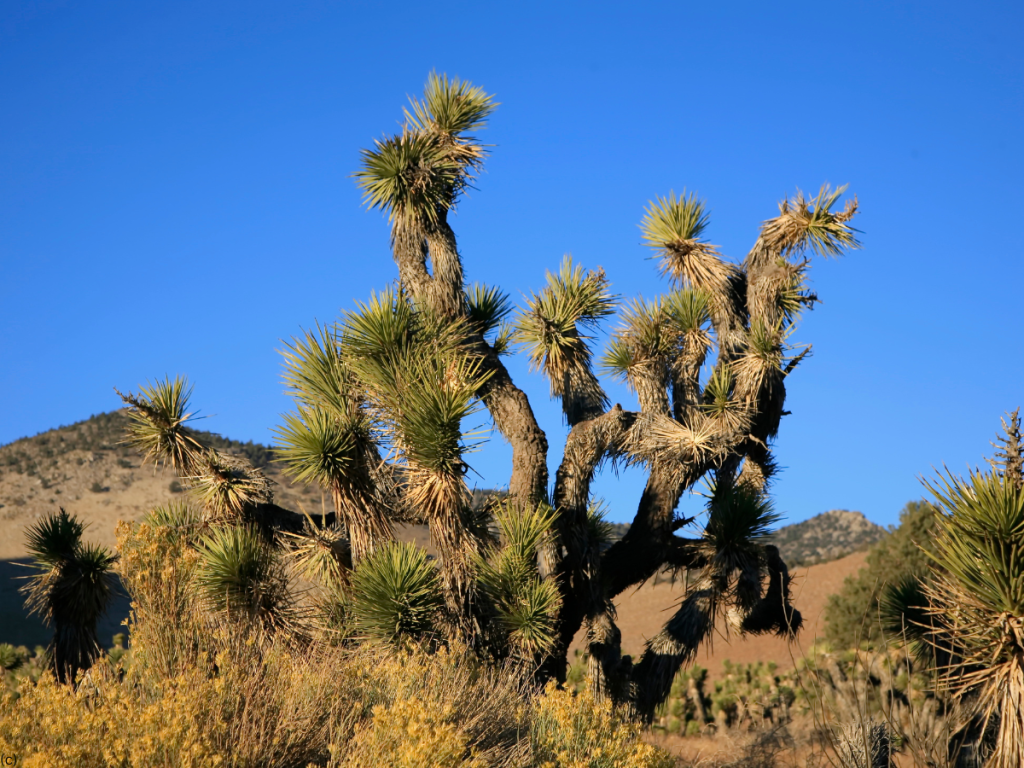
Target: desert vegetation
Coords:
[(261, 635), (381, 397)]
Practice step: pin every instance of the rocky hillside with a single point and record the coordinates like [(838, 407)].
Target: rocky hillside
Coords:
[(828, 536), (87, 469)]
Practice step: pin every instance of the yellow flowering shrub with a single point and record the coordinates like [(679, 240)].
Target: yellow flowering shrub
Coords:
[(105, 723), (489, 706), (578, 731), (156, 568), (412, 734), (196, 693)]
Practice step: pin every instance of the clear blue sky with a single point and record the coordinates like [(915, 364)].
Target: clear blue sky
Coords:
[(175, 197)]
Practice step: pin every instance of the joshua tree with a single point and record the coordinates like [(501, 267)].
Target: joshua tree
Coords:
[(71, 589), (382, 395)]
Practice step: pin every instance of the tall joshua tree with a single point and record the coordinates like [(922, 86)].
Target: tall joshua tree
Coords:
[(382, 395)]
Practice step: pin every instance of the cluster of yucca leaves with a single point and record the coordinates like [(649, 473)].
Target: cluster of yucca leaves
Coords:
[(388, 405), (966, 616), (249, 559)]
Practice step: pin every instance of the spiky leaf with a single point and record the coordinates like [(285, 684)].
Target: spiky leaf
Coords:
[(673, 226), (411, 177)]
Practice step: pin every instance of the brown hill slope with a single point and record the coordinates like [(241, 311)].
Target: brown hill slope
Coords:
[(643, 612), (86, 469)]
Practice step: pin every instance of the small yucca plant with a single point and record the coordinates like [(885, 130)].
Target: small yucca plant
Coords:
[(523, 606), (242, 580), (396, 594), (71, 589)]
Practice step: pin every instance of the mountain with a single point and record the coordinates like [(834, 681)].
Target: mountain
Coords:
[(87, 469), (825, 537)]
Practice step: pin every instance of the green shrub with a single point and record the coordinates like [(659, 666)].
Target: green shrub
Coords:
[(852, 615)]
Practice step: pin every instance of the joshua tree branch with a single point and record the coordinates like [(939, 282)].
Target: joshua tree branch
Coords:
[(514, 418), (642, 551), (409, 247), (448, 296), (588, 444)]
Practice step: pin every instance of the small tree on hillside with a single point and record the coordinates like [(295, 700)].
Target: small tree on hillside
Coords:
[(382, 396), (70, 589), (854, 614)]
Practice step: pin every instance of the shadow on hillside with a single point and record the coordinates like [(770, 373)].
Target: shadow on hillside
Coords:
[(18, 628)]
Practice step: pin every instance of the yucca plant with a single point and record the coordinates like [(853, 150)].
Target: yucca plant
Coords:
[(386, 420), (552, 327), (225, 488), (974, 617), (241, 579), (70, 590), (396, 595), (331, 440), (523, 607)]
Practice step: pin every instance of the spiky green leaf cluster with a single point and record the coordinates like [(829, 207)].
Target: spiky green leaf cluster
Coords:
[(321, 554), (316, 447), (673, 227), (739, 521), (158, 417), (982, 539), (673, 219), (718, 392), (410, 177), (417, 175), (805, 223), (240, 577), (903, 613), (420, 378), (181, 519), (383, 327), (316, 375), (54, 539), (689, 310), (644, 339), (976, 601), (228, 486), (396, 594), (553, 324), (488, 306), (451, 107), (524, 605), (427, 399)]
